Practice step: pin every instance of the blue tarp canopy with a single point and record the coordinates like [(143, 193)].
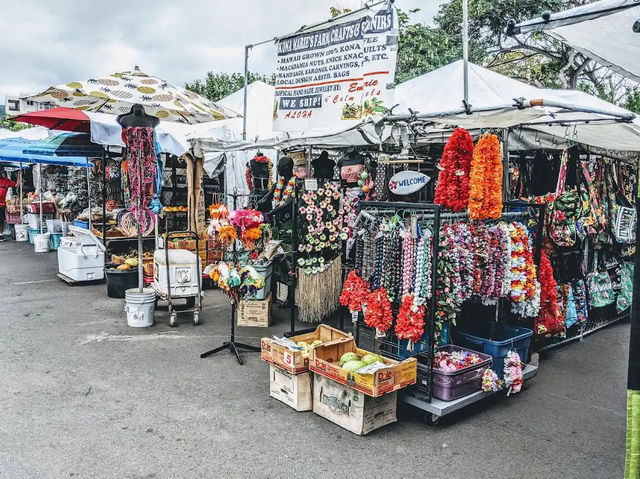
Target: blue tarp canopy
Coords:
[(14, 150), (65, 144)]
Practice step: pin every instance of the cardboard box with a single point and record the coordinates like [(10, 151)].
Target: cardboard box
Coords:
[(295, 390), (350, 409), (254, 313), (293, 361), (325, 360)]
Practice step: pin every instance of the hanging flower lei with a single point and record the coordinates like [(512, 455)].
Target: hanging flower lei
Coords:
[(491, 381), (378, 311), (485, 184), (513, 372), (550, 320), (525, 289), (452, 190), (354, 292), (410, 322), (282, 193)]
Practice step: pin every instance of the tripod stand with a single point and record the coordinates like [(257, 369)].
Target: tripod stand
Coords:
[(232, 345)]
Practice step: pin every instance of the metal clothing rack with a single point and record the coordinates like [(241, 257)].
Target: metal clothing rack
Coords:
[(232, 344)]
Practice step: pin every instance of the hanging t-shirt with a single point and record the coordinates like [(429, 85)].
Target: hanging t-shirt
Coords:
[(5, 184)]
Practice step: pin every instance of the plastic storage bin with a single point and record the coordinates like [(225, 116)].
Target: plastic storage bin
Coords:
[(118, 282), (55, 240), (34, 220), (81, 224), (448, 386), (264, 270), (503, 339), (32, 234)]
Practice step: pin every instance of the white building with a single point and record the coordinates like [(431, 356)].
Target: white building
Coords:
[(17, 105)]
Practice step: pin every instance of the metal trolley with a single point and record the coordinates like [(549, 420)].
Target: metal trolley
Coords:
[(194, 301)]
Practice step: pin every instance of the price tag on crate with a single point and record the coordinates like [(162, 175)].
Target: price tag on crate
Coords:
[(288, 358)]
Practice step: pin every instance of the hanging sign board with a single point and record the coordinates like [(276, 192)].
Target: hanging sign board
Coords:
[(337, 73), (407, 182)]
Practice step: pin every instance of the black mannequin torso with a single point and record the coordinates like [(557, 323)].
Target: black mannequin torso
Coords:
[(350, 176), (323, 166), (137, 117)]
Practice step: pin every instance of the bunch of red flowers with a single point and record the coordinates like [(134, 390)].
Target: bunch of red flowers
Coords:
[(378, 314), (410, 323), (452, 190), (354, 292)]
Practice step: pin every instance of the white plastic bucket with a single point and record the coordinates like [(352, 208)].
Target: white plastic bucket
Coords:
[(140, 307), (22, 232), (41, 243)]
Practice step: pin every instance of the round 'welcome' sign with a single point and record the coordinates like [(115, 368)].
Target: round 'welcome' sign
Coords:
[(407, 182)]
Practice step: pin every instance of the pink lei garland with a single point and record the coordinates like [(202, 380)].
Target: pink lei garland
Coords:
[(141, 166)]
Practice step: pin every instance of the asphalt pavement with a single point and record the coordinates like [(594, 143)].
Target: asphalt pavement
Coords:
[(82, 395)]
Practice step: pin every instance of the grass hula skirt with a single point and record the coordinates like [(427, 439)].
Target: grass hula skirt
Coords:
[(319, 294)]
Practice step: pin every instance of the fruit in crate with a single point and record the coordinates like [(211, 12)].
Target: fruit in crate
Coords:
[(353, 366), (123, 267), (348, 357)]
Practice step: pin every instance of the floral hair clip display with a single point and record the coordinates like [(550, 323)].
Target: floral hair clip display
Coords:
[(322, 227)]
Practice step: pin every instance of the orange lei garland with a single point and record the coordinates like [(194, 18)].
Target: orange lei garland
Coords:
[(485, 184)]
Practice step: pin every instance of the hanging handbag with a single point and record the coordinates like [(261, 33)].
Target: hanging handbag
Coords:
[(564, 210), (623, 301), (580, 299), (599, 285), (623, 215)]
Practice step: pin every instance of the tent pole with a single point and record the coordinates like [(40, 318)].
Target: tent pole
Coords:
[(465, 47), (633, 378), (505, 165), (86, 164), (104, 197), (246, 82), (40, 194), (140, 242), (21, 210)]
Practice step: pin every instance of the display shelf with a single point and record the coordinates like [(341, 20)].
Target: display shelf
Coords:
[(440, 408)]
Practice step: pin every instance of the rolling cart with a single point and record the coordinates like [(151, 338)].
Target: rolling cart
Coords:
[(177, 275)]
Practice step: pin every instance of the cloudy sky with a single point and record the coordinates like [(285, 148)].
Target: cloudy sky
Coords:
[(47, 42)]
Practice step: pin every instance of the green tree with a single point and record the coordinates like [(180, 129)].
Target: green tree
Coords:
[(12, 125), (216, 86)]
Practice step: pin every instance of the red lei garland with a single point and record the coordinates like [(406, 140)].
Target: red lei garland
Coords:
[(550, 320), (452, 190), (378, 314), (354, 292), (410, 323)]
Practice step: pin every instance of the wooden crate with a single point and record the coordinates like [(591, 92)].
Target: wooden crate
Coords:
[(350, 409), (254, 313), (294, 390), (325, 360), (294, 361)]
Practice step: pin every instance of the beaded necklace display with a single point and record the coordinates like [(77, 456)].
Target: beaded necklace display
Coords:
[(408, 260), (282, 193), (368, 254)]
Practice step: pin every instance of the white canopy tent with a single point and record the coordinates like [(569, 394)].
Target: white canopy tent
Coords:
[(593, 29), (224, 139), (497, 101)]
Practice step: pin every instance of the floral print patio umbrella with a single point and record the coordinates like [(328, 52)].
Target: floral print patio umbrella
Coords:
[(117, 93)]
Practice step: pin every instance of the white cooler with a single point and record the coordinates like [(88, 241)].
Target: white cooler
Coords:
[(81, 257), (183, 272)]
